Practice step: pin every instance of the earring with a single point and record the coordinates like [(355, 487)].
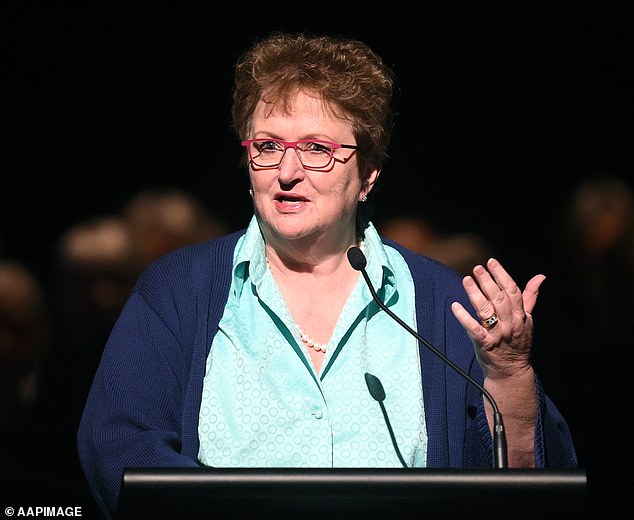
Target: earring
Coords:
[(251, 192), (364, 198)]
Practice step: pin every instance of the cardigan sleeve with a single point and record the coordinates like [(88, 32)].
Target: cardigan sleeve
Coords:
[(553, 440), (142, 409), (132, 417), (554, 447)]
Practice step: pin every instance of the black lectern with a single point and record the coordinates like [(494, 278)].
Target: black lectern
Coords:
[(351, 493)]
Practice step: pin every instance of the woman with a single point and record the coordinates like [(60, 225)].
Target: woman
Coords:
[(251, 350)]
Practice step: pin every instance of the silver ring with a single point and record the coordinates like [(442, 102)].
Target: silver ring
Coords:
[(489, 322)]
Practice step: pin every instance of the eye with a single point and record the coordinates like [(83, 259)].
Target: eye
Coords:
[(268, 146), (318, 147)]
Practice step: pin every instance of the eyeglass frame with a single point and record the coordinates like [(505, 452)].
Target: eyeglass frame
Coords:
[(293, 144)]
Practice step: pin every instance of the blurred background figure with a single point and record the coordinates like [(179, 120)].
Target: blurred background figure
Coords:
[(461, 251), (24, 339), (598, 230), (95, 273), (160, 221), (24, 342), (414, 233), (591, 292)]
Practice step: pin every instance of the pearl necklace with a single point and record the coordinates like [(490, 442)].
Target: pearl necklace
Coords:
[(306, 339), (319, 347)]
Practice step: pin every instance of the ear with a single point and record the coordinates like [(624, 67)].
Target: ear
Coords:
[(369, 183)]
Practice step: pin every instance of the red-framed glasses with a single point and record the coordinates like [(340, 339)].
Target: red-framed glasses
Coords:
[(314, 154)]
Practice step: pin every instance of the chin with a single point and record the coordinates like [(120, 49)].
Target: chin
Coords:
[(291, 233), (297, 231)]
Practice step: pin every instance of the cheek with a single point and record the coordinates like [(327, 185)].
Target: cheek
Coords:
[(258, 183), (347, 187), (341, 196), (344, 182)]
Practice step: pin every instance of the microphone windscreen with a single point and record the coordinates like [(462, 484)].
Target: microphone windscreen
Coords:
[(356, 258), (375, 387)]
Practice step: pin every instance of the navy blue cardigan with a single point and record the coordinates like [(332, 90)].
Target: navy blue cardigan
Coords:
[(142, 409)]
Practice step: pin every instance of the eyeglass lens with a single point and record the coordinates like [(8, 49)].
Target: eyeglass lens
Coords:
[(314, 154)]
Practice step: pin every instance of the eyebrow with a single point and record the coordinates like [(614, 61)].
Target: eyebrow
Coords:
[(316, 137)]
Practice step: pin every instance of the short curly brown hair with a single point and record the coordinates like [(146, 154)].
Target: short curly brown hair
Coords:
[(346, 74)]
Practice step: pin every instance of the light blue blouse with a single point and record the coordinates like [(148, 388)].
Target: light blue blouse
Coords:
[(263, 403)]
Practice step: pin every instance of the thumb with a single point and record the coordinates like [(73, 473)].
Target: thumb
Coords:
[(529, 296)]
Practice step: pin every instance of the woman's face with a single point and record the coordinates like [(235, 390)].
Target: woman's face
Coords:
[(293, 203)]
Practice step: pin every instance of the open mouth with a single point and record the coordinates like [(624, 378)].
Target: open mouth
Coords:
[(288, 198)]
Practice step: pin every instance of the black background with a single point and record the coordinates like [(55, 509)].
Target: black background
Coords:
[(503, 109)]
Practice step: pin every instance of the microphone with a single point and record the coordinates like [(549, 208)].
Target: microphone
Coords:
[(500, 459), (378, 394)]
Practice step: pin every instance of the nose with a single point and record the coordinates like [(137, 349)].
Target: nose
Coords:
[(290, 168)]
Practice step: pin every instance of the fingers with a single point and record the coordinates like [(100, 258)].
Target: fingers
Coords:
[(480, 291), (475, 330), (505, 345), (494, 291)]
